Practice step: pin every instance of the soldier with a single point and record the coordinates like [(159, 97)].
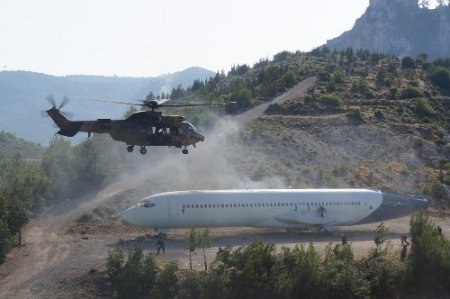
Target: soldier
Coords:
[(322, 211), (404, 239), (160, 244), (439, 230), (343, 239)]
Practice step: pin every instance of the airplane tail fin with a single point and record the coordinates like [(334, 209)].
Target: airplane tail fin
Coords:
[(66, 127)]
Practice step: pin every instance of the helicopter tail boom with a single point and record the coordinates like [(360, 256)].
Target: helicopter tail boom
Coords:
[(66, 127)]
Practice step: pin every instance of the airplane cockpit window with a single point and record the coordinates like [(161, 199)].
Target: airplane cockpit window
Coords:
[(147, 204)]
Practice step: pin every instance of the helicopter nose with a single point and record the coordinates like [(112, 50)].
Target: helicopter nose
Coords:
[(198, 136)]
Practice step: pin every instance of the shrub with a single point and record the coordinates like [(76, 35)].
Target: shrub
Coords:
[(441, 77), (408, 63), (410, 92), (330, 100), (423, 108), (429, 260), (132, 273), (436, 189), (362, 87)]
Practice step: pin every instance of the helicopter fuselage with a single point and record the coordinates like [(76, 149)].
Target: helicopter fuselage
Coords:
[(148, 128)]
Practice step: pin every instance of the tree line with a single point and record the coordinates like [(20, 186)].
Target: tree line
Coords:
[(65, 171), (260, 271)]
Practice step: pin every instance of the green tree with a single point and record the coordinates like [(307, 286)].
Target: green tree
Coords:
[(57, 163), (300, 273), (132, 273), (342, 278), (192, 242), (408, 63), (166, 284), (429, 259), (441, 77), (204, 241)]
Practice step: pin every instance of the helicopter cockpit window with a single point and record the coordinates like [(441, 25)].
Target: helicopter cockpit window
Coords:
[(147, 204)]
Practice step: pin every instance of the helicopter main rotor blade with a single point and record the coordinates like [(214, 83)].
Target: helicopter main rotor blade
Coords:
[(115, 102), (195, 104), (162, 101)]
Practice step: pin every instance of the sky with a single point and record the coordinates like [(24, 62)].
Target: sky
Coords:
[(146, 38)]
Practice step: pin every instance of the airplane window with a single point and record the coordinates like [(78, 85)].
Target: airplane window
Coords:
[(222, 205), (184, 206), (209, 206), (196, 206), (234, 205)]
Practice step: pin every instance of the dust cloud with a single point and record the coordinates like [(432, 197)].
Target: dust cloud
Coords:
[(209, 166)]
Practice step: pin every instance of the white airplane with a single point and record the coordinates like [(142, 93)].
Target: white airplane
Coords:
[(270, 208)]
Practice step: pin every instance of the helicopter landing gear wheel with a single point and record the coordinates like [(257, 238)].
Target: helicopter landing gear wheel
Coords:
[(143, 150), (130, 148), (185, 151)]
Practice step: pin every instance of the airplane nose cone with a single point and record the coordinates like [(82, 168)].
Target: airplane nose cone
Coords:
[(403, 204), (395, 206), (129, 215)]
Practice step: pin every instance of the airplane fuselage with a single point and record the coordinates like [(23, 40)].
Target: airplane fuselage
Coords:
[(270, 208)]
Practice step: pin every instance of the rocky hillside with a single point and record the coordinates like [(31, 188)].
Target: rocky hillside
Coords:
[(371, 120), (399, 27)]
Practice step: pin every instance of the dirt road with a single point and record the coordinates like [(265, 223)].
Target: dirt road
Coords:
[(298, 90)]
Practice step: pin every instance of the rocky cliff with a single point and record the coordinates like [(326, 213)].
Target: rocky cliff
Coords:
[(399, 27)]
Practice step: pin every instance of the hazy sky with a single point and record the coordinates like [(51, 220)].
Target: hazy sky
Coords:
[(152, 37)]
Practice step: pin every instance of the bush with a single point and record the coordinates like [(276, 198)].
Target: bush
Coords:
[(330, 100), (132, 273), (300, 273), (410, 92), (436, 189), (408, 63), (362, 87), (423, 108), (429, 260), (441, 77)]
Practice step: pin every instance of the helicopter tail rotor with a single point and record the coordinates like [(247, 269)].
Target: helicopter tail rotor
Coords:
[(62, 118)]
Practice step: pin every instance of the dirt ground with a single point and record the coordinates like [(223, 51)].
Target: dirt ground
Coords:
[(59, 254)]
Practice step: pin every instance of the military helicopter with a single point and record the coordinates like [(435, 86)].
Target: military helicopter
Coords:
[(144, 128)]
